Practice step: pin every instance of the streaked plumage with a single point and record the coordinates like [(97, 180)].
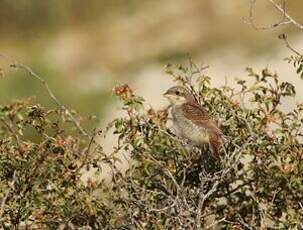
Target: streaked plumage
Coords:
[(191, 121)]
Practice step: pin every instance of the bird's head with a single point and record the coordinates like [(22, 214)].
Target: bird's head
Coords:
[(178, 95)]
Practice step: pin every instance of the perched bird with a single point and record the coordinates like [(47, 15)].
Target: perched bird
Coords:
[(191, 121)]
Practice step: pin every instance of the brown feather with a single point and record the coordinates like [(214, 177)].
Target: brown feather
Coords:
[(215, 143), (199, 116), (194, 112)]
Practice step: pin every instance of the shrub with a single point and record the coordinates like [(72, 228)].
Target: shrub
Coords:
[(256, 183), (40, 174)]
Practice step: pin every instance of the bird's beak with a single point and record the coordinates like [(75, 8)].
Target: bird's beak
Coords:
[(166, 94)]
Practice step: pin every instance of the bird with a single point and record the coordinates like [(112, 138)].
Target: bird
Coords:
[(191, 121)]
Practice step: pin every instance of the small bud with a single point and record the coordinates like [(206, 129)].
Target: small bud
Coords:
[(282, 36), (123, 91)]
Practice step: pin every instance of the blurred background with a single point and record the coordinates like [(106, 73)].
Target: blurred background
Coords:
[(84, 48)]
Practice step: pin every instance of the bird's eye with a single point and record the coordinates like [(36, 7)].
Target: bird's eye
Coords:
[(178, 93)]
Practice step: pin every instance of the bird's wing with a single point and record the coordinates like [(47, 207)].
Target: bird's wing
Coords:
[(194, 112), (199, 116)]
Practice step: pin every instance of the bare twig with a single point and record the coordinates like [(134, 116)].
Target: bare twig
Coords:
[(215, 223), (251, 19), (217, 178), (246, 225), (52, 95), (286, 18), (193, 71), (285, 14), (284, 38), (87, 151), (202, 198)]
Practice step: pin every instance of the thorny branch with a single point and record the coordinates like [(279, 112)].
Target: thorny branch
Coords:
[(251, 18), (286, 18), (231, 162), (284, 38), (52, 95), (286, 15)]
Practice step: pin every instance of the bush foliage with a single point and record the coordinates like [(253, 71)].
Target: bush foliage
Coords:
[(257, 183)]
